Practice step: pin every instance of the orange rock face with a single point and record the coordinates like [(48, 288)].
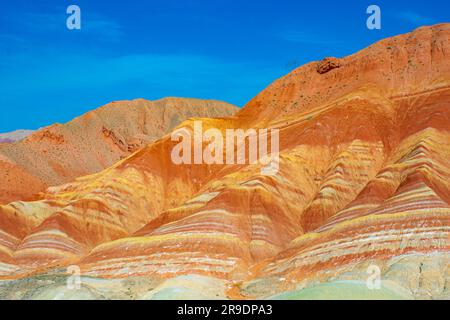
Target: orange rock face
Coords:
[(92, 142), (327, 65), (363, 178)]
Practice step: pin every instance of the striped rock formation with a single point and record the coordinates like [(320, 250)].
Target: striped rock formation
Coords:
[(362, 182), (88, 144)]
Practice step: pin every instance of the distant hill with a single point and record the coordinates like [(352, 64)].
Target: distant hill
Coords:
[(14, 136), (92, 142)]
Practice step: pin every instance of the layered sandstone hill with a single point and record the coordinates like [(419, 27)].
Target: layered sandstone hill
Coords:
[(363, 180), (92, 142)]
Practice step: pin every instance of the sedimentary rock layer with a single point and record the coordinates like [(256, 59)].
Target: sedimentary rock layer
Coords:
[(363, 177)]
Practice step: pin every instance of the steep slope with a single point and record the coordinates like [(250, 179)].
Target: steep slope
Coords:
[(363, 179), (92, 142)]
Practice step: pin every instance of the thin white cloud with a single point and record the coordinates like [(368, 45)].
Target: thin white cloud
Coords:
[(416, 18), (92, 24), (305, 37), (102, 26)]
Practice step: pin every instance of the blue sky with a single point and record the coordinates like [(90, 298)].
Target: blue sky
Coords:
[(214, 49)]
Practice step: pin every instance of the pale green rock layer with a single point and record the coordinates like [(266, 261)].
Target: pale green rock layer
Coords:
[(413, 276)]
